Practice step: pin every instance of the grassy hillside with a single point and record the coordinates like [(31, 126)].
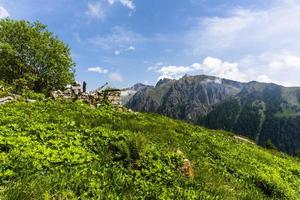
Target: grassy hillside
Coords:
[(69, 150)]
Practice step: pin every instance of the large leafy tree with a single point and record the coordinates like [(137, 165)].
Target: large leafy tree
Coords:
[(33, 58)]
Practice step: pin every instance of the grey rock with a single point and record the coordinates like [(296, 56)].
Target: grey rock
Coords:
[(5, 100)]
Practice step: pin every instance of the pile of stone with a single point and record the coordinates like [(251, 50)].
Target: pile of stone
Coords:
[(70, 92), (76, 92), (113, 96), (6, 99)]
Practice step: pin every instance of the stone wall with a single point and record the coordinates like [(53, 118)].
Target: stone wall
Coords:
[(74, 92)]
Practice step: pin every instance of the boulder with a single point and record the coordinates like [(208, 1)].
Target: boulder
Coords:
[(5, 100), (187, 168)]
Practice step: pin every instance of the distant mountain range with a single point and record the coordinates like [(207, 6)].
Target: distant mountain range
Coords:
[(260, 111)]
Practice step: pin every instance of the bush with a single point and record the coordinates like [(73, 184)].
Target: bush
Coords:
[(5, 89), (33, 95)]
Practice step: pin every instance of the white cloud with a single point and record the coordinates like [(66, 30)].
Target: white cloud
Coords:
[(115, 76), (131, 48), (127, 3), (265, 43), (3, 12), (155, 67), (120, 51), (285, 62), (152, 68), (95, 11), (282, 67), (216, 67), (250, 30), (111, 2), (174, 72), (264, 79), (99, 70), (210, 66)]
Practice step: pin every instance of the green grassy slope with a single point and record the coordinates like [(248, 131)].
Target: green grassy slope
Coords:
[(67, 150)]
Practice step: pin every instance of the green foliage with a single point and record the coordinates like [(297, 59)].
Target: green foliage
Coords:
[(33, 95), (5, 89), (69, 150), (32, 58)]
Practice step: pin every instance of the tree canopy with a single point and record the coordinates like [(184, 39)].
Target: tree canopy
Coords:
[(33, 58)]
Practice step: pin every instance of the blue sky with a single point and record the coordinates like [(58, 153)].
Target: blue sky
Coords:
[(128, 41)]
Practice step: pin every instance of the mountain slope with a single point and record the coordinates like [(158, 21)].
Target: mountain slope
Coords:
[(187, 98), (76, 151), (259, 111), (128, 93)]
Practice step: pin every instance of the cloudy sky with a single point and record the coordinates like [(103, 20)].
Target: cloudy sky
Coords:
[(127, 41)]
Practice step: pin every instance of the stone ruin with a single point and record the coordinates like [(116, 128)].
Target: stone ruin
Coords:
[(76, 92)]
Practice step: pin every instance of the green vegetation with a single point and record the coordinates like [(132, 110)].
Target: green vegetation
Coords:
[(5, 89), (32, 58), (69, 150), (261, 112)]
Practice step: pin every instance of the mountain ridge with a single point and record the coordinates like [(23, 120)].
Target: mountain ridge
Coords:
[(164, 95)]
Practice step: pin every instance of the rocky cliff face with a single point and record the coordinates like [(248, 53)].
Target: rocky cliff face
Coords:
[(128, 93), (187, 98)]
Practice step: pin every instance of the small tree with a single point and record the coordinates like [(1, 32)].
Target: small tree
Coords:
[(33, 58)]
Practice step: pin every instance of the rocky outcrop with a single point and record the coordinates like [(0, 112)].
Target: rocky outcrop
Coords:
[(5, 100), (74, 92)]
